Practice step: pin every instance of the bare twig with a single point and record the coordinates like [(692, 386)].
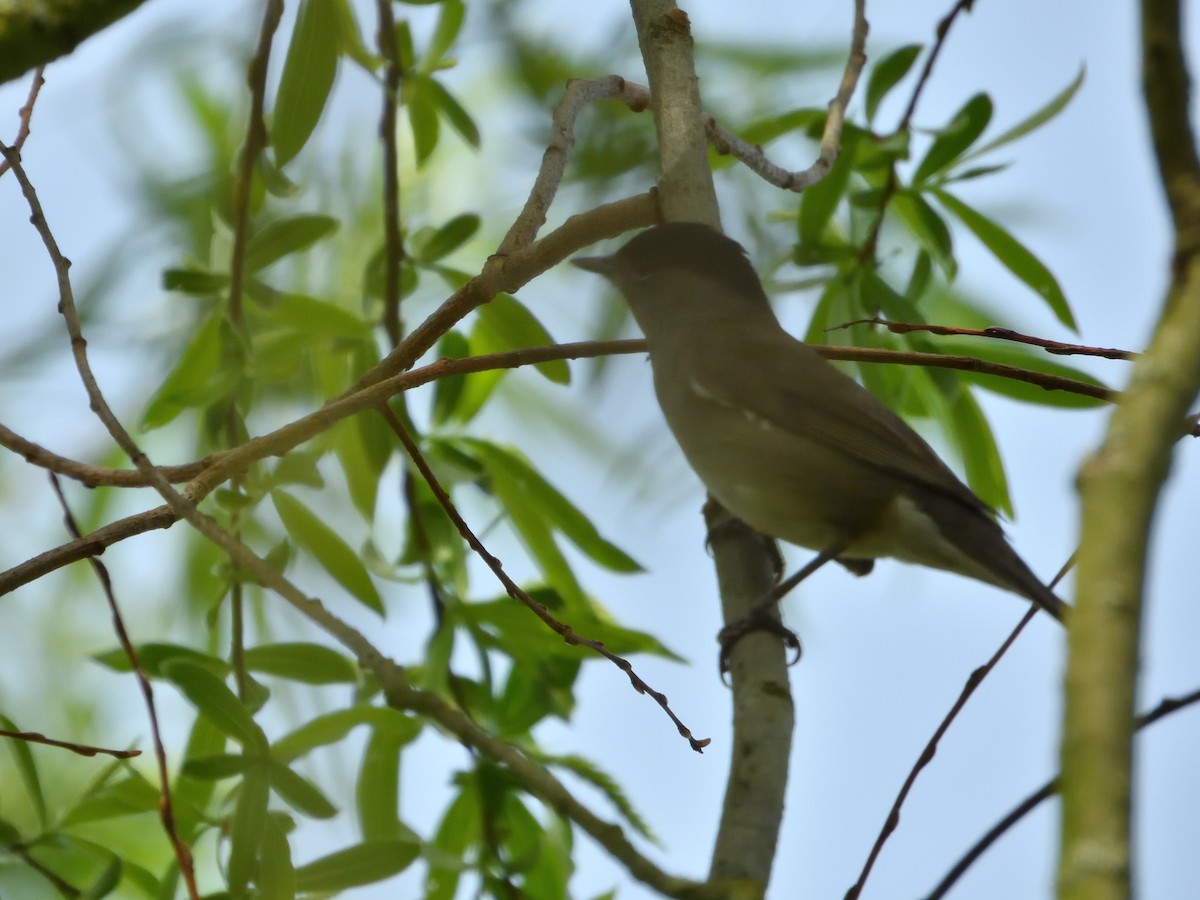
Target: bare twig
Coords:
[(867, 252), (1166, 707), (974, 680), (218, 467), (1059, 348), (256, 139), (755, 158), (25, 115), (166, 810), (578, 94), (393, 254), (514, 590), (36, 737)]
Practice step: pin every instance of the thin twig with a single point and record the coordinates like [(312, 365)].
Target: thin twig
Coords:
[(514, 590), (166, 809), (393, 255), (1059, 348), (36, 737), (755, 158), (867, 252), (25, 115), (974, 680), (256, 139), (1166, 707)]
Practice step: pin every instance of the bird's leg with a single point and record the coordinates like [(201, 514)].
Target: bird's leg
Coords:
[(762, 616)]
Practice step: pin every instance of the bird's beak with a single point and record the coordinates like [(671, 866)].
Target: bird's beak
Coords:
[(601, 265)]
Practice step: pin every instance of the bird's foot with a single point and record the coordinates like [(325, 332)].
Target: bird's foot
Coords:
[(763, 616)]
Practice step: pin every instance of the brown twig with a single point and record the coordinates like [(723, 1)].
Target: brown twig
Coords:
[(220, 466), (867, 252), (1166, 707), (755, 158), (36, 737), (974, 680), (256, 139), (1059, 348), (393, 255), (25, 115), (514, 590), (166, 810)]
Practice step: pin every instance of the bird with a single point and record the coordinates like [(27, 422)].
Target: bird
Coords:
[(786, 442)]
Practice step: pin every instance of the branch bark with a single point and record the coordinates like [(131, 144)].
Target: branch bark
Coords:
[(763, 714), (1119, 486)]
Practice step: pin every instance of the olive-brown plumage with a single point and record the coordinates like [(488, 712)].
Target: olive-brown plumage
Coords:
[(780, 437)]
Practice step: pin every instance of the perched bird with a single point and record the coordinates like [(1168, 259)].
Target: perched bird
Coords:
[(786, 442)]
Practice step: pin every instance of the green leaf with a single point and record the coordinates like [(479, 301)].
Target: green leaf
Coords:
[(887, 73), (196, 378), (446, 239), (308, 74), (105, 882), (450, 20), (328, 548), (448, 391), (216, 702), (276, 874), (506, 324), (364, 863), (194, 281), (954, 140), (320, 317), (377, 792), (332, 727), (1015, 355), (217, 767), (286, 236), (1056, 105), (153, 656), (763, 131), (508, 466), (981, 456), (247, 827), (299, 793), (819, 201), (27, 767), (422, 115), (307, 663), (1013, 255), (128, 797), (350, 42), (929, 228), (458, 117)]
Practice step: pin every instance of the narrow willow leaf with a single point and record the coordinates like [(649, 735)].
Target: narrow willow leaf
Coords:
[(819, 201), (929, 228), (194, 379), (307, 663), (887, 73), (1056, 105), (507, 324), (308, 73), (285, 236), (364, 863), (332, 727), (152, 656), (377, 792), (981, 456), (27, 767), (455, 113), (215, 700), (450, 20), (422, 115), (955, 139), (276, 874), (551, 506), (1013, 255), (298, 792), (247, 828), (328, 548), (447, 238), (193, 281)]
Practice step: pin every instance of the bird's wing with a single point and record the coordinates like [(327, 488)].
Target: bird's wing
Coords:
[(776, 378)]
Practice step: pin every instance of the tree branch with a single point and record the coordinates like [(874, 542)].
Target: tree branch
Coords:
[(1119, 486)]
